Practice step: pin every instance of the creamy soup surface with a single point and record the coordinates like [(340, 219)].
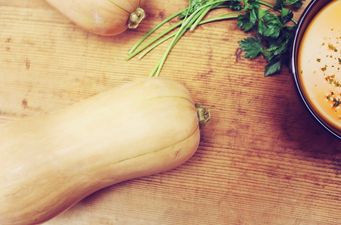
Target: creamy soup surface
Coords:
[(319, 62)]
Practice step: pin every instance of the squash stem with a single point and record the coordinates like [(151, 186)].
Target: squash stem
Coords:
[(136, 18), (203, 114)]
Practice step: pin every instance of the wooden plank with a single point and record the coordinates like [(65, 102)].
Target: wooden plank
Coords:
[(262, 159)]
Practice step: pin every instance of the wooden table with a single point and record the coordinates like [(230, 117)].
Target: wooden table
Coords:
[(262, 159)]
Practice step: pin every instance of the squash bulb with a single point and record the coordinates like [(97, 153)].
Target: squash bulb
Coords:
[(102, 17), (51, 162)]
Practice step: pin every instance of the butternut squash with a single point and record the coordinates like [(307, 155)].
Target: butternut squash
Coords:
[(49, 163), (102, 17)]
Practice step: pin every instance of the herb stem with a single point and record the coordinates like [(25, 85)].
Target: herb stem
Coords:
[(156, 44), (165, 56), (201, 17), (187, 23), (155, 29), (160, 41), (226, 16), (151, 41)]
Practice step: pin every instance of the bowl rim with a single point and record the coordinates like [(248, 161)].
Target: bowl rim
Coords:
[(297, 39)]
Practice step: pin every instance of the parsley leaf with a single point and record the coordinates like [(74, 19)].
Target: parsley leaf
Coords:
[(251, 5), (273, 37), (294, 4), (279, 46), (235, 5), (269, 24), (273, 67), (286, 15), (252, 47), (248, 20)]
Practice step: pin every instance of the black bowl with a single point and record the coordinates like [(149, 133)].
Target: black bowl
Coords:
[(309, 13)]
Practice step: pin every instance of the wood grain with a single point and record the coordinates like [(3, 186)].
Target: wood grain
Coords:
[(262, 158)]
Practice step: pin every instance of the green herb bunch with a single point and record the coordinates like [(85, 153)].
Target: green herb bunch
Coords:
[(271, 27)]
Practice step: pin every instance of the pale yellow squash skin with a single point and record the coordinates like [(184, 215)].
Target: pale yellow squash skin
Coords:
[(49, 163), (102, 17)]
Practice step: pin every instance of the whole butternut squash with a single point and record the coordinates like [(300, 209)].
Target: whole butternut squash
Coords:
[(102, 17), (49, 163)]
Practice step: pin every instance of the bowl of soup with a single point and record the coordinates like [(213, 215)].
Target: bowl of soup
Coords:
[(316, 62)]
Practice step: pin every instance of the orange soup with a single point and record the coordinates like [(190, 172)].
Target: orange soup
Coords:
[(319, 63)]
